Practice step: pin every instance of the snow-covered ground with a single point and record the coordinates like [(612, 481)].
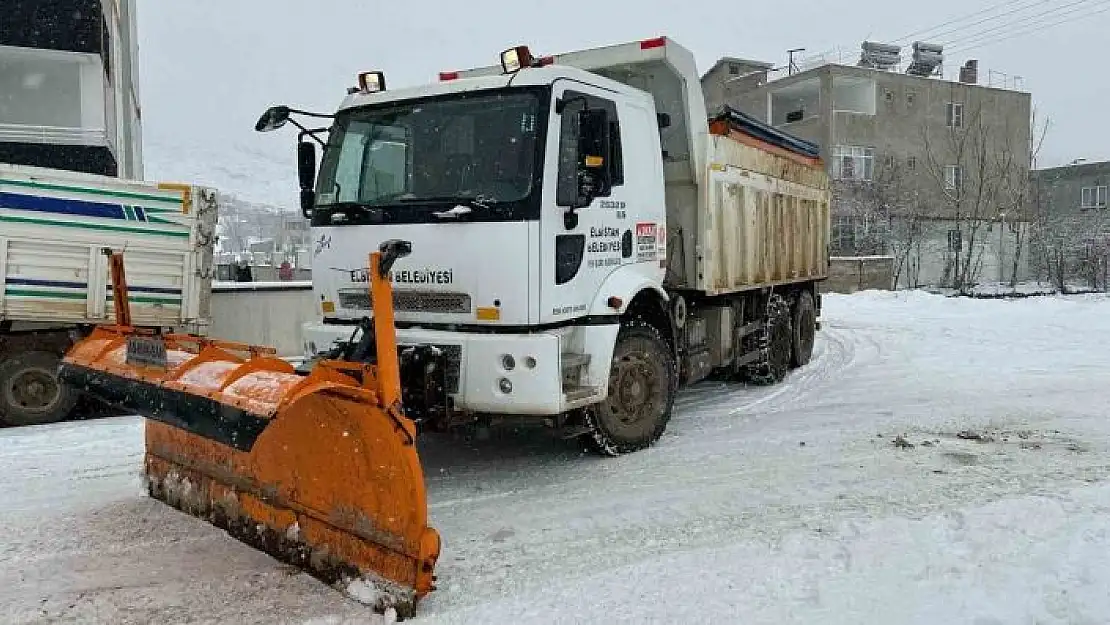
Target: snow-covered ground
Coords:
[(942, 460)]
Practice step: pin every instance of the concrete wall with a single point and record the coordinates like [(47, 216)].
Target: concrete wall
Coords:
[(928, 261), (857, 273), (263, 313), (262, 273)]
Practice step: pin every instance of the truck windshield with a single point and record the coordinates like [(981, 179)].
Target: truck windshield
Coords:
[(407, 159)]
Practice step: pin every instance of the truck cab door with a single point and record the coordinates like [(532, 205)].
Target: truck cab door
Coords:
[(578, 252)]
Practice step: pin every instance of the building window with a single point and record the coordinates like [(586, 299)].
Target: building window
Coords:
[(888, 95), (911, 162), (843, 236), (890, 161), (852, 162), (733, 69), (953, 178), (859, 235), (909, 97), (954, 114), (1093, 197)]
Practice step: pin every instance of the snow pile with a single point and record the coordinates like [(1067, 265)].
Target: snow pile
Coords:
[(1004, 290)]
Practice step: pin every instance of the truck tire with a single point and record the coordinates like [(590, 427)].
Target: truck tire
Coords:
[(643, 382), (30, 392), (805, 329), (775, 343)]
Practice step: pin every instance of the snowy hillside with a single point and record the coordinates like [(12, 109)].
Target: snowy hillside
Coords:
[(255, 168), (940, 461)]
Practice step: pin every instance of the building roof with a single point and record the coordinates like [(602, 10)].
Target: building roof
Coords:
[(724, 60), (842, 68), (1077, 170)]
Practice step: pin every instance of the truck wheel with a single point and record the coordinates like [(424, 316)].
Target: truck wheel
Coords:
[(30, 392), (775, 342), (805, 329), (643, 381)]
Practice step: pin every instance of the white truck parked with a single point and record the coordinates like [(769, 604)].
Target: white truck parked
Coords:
[(585, 239), (54, 279)]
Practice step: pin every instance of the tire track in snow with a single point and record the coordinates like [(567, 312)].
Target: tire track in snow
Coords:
[(721, 403)]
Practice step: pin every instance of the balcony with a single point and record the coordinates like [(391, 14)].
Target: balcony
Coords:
[(795, 103), (54, 97), (853, 95)]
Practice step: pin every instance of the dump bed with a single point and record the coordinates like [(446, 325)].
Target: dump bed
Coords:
[(54, 224), (766, 214)]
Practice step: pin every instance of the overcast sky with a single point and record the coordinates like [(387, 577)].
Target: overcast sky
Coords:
[(209, 67)]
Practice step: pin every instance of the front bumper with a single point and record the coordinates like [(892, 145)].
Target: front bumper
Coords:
[(477, 368)]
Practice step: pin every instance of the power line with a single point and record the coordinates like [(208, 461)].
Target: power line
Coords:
[(1075, 5), (989, 41), (986, 35), (928, 32), (1021, 6)]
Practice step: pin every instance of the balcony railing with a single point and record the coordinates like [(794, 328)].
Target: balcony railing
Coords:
[(54, 135)]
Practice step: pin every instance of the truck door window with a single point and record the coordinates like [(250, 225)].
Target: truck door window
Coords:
[(567, 183)]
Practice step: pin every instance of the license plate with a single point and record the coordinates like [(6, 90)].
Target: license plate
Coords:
[(146, 351)]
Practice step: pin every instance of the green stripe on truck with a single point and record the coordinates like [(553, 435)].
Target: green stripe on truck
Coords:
[(87, 226), (12, 292), (140, 299), (131, 195)]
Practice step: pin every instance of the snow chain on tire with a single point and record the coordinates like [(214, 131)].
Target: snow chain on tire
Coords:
[(774, 342)]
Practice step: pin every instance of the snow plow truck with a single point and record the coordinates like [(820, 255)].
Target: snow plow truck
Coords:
[(561, 240)]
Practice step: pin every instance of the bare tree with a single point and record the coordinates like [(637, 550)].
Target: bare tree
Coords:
[(1070, 245), (888, 212), (1018, 198), (976, 169)]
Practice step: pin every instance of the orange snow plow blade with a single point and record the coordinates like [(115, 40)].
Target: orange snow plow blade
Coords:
[(318, 470)]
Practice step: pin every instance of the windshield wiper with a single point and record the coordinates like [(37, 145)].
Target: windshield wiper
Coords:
[(458, 211), (375, 215), (464, 204), (473, 201)]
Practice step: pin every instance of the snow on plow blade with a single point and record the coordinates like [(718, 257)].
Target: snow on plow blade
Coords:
[(320, 471)]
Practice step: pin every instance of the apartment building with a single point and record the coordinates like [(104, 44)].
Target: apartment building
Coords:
[(68, 86), (910, 144)]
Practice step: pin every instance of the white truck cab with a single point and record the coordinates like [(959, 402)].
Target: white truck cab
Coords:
[(572, 257)]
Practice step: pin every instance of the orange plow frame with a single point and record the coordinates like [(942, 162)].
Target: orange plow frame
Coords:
[(320, 471)]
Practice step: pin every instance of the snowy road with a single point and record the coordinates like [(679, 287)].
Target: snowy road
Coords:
[(791, 504)]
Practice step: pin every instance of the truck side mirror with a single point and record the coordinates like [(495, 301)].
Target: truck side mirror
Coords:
[(306, 169), (594, 177)]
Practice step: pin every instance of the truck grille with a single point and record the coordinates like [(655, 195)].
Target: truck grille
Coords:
[(408, 300)]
